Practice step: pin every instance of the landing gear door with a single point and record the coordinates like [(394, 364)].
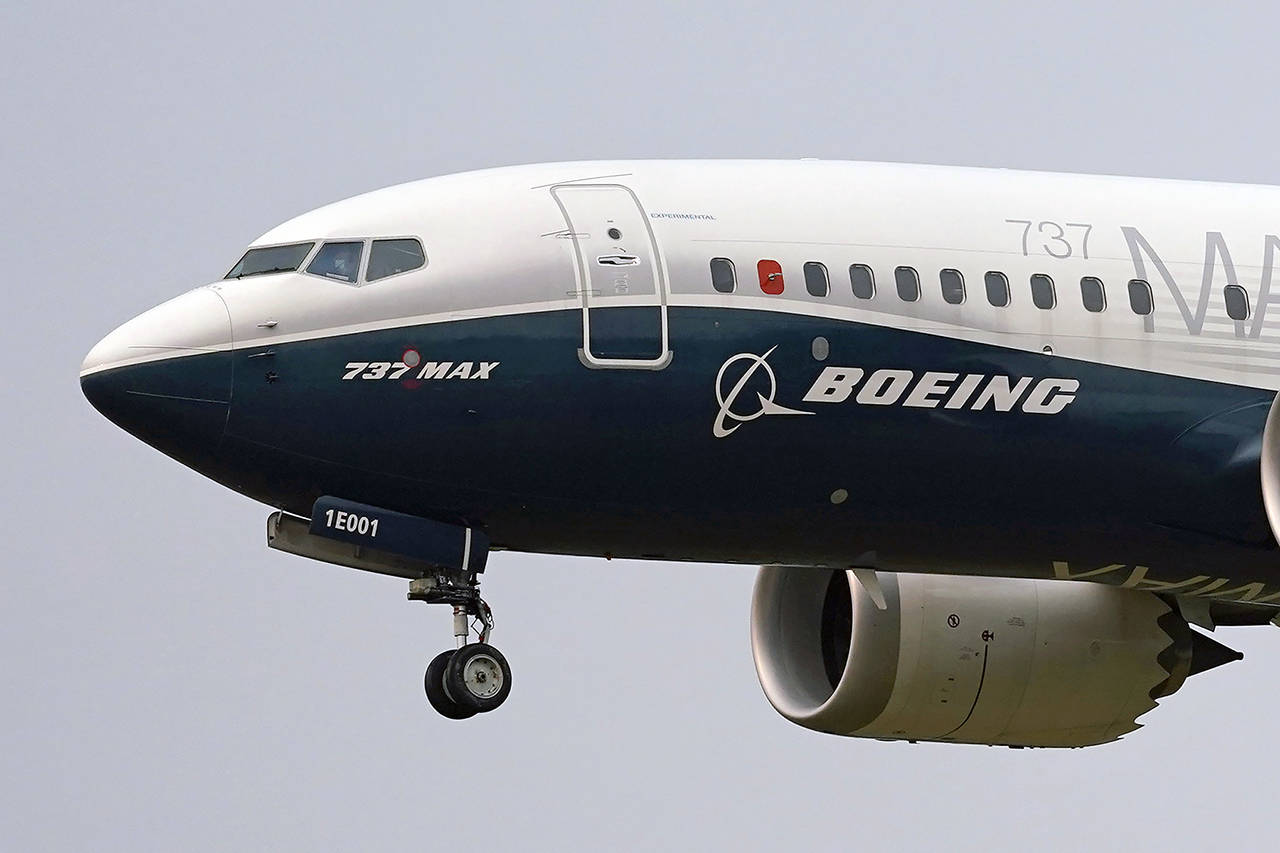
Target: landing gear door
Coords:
[(619, 277)]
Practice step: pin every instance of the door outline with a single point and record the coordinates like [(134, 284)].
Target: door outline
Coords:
[(584, 286)]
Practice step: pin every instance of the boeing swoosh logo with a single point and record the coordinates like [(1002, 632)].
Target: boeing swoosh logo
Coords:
[(719, 427)]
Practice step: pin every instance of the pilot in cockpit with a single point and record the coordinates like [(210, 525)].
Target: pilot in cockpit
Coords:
[(337, 260)]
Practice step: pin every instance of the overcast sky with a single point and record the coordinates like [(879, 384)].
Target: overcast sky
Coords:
[(170, 683)]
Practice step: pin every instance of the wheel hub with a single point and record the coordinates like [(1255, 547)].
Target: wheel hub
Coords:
[(482, 676)]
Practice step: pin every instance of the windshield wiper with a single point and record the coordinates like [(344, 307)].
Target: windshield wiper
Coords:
[(264, 272)]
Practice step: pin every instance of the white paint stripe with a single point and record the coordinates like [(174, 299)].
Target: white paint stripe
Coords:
[(1148, 353), (466, 548), (169, 354)]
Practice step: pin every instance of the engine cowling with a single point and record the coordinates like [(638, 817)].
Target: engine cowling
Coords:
[(965, 660)]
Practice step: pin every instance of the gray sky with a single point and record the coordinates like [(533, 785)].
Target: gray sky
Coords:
[(172, 684)]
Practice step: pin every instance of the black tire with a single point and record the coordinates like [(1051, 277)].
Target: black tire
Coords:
[(471, 675), (437, 694)]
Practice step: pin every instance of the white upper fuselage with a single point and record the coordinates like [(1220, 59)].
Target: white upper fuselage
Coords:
[(496, 243)]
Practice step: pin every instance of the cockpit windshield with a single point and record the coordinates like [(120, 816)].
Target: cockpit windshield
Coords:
[(391, 257), (271, 259), (339, 261)]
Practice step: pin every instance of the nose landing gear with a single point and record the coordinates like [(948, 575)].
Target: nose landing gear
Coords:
[(474, 678)]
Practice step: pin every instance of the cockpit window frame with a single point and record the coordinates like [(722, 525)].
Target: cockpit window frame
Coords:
[(317, 245)]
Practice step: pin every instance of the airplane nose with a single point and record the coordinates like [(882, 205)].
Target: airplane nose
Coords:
[(165, 376)]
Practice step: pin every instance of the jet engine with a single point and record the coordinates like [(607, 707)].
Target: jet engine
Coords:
[(968, 660)]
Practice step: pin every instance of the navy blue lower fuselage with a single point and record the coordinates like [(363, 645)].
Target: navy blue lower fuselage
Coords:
[(549, 455)]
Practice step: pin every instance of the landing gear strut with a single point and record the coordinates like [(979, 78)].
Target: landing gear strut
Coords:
[(474, 677)]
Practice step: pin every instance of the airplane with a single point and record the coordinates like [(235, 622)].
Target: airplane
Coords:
[(1003, 444)]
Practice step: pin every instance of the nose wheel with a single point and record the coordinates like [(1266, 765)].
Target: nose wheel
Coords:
[(468, 681), (475, 677)]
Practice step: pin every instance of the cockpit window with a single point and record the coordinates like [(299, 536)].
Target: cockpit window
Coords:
[(389, 257), (271, 259), (339, 261)]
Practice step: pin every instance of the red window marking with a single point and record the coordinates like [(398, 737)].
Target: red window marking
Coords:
[(770, 277)]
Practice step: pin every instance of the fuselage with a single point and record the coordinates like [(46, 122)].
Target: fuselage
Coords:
[(917, 369)]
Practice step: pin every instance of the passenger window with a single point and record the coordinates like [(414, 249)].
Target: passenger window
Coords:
[(723, 277), (391, 257), (908, 282), (952, 286), (1237, 302), (339, 261), (1092, 294), (1042, 293), (770, 273), (815, 279), (1140, 297), (862, 280), (997, 288)]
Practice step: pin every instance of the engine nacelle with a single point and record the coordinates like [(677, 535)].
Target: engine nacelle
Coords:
[(965, 660)]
